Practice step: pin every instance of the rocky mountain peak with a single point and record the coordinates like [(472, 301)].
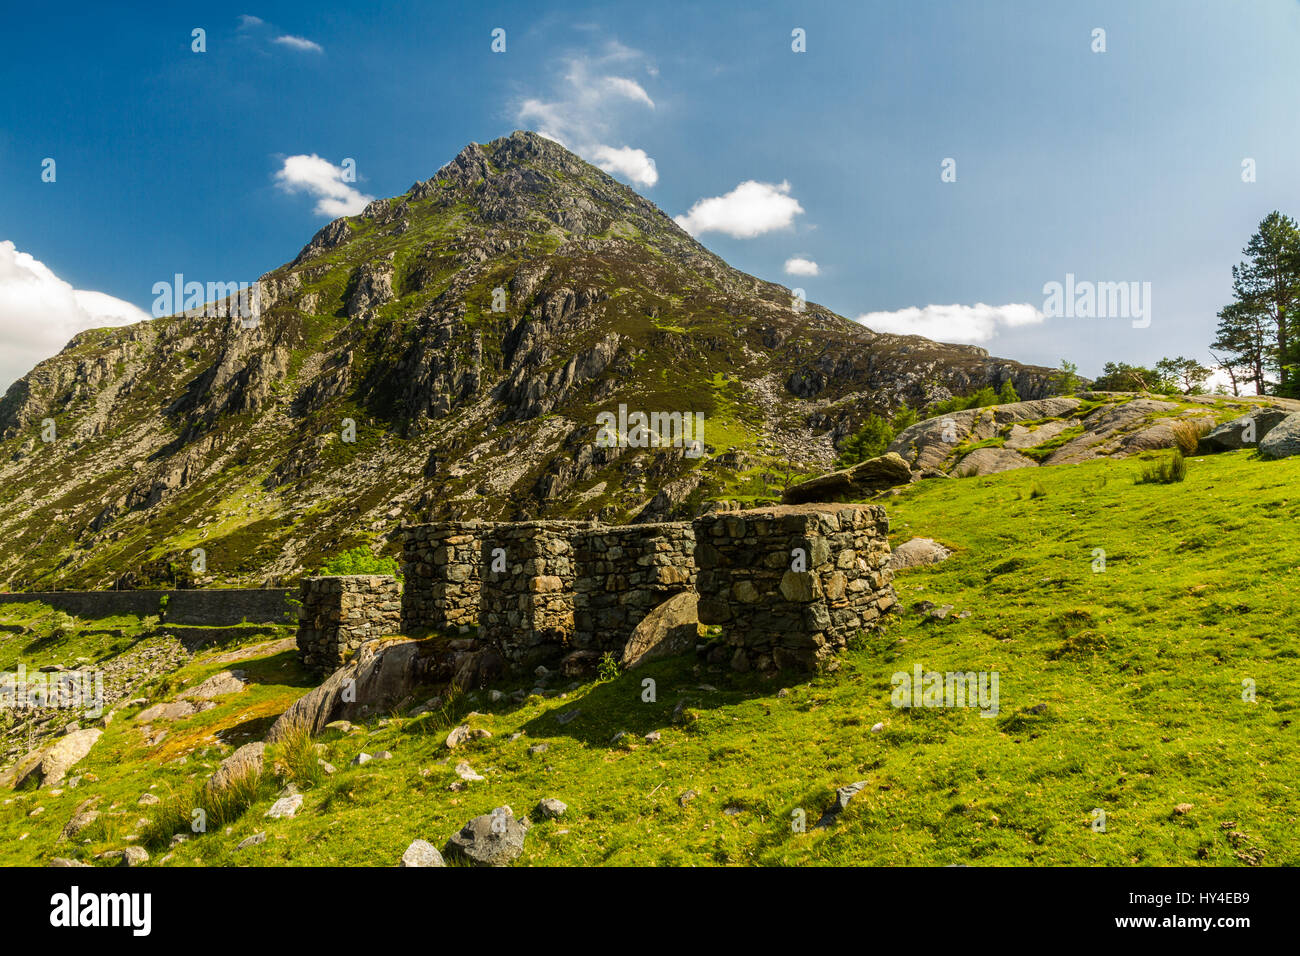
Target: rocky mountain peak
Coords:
[(445, 353)]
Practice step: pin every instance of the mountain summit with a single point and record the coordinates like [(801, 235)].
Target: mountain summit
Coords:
[(447, 353)]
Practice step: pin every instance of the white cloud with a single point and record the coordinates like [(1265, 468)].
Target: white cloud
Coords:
[(799, 266), (299, 43), (967, 324), (749, 210), (629, 162), (591, 98), (248, 21), (631, 89), (322, 179), (39, 313)]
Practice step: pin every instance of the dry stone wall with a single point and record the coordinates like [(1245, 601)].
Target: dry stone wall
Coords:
[(527, 587), (623, 574), (441, 568), (791, 584), (341, 612)]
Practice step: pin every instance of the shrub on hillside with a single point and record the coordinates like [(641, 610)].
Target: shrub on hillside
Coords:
[(360, 561)]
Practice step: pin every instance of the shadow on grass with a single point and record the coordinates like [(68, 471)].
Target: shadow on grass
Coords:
[(595, 713)]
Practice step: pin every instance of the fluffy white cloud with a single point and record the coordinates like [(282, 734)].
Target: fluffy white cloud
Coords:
[(39, 313), (631, 163), (320, 178), (586, 107), (749, 210), (799, 266), (299, 43), (631, 89), (968, 324)]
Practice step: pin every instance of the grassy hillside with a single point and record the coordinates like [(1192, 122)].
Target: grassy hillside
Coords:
[(1120, 690)]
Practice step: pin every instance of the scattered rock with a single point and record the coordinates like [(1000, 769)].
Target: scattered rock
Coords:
[(422, 853), (244, 762), (671, 628), (81, 819), (285, 807), (361, 758), (653, 737), (536, 749), (127, 856), (493, 839), (255, 840), (859, 481), (842, 797), (148, 800), (463, 734), (550, 809), (466, 772), (224, 682), (65, 752), (173, 710), (918, 551), (64, 861), (1283, 440), (687, 797), (1233, 435)]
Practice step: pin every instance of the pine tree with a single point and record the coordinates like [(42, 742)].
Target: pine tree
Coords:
[(1244, 338), (1268, 282)]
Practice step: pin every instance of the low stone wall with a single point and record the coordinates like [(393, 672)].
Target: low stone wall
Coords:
[(623, 573), (206, 607), (791, 584), (340, 612), (441, 570), (526, 597)]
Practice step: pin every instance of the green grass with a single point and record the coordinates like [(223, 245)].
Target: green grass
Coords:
[(1120, 689)]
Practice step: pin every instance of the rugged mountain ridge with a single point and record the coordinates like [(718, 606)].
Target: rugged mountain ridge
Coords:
[(466, 334)]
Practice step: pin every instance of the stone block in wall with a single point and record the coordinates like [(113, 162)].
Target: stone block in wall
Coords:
[(341, 612), (624, 573), (441, 565), (790, 584)]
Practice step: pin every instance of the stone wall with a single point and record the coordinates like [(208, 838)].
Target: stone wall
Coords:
[(526, 597), (340, 612), (206, 607), (791, 584), (441, 565), (623, 574)]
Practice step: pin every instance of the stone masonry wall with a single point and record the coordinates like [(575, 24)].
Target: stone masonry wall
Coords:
[(340, 612), (441, 568), (526, 600), (623, 573), (776, 610)]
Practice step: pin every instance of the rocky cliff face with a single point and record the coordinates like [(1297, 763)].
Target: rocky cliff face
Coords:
[(444, 354)]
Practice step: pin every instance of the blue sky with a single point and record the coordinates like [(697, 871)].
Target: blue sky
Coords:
[(1122, 166)]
